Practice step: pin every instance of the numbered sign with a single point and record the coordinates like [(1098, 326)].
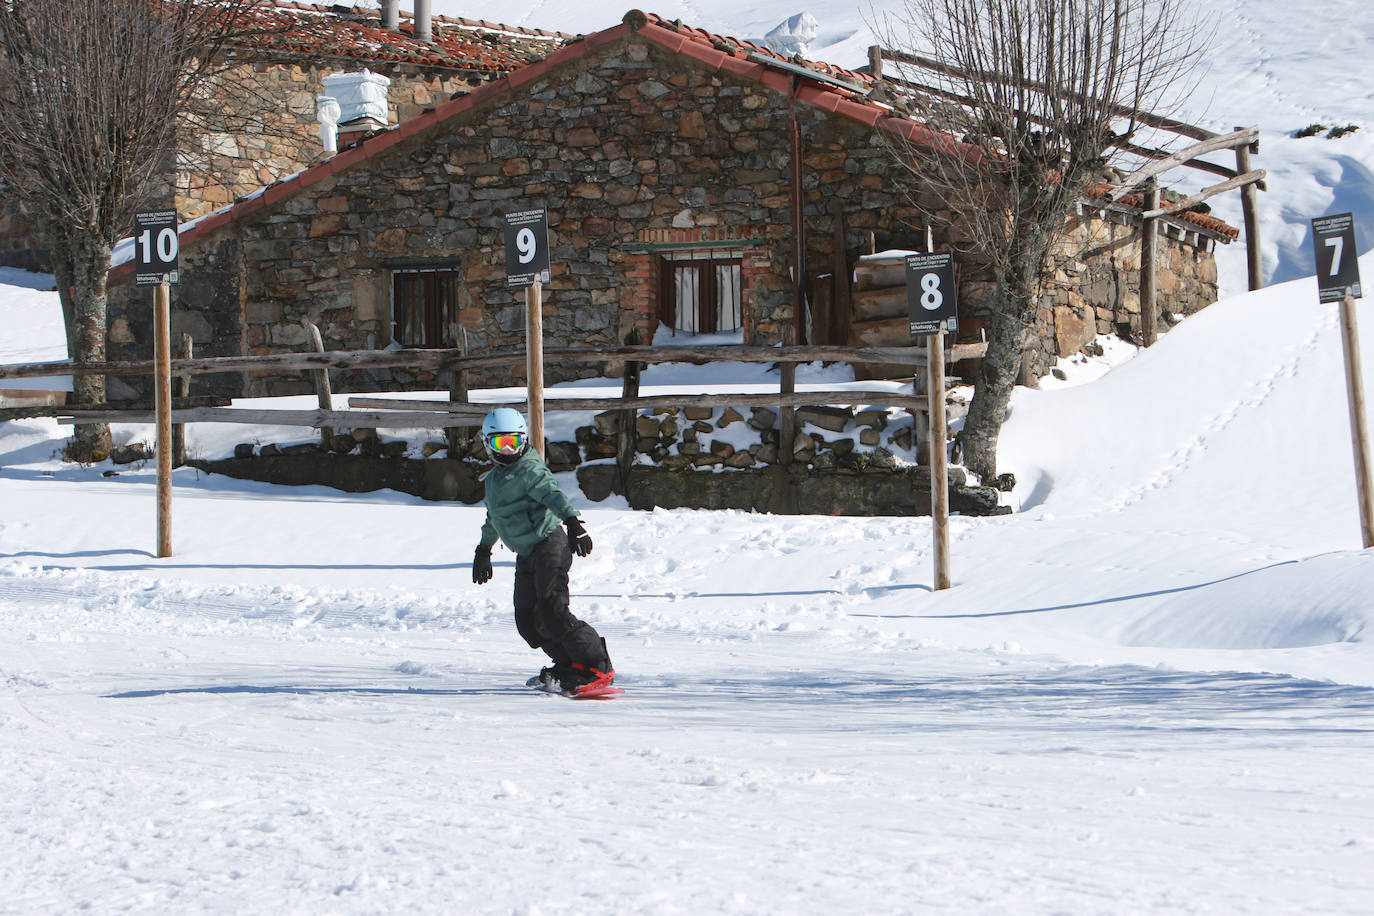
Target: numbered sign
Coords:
[(1338, 265), (527, 248), (155, 247), (932, 302)]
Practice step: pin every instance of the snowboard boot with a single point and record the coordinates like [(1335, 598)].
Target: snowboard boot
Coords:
[(577, 677), (547, 678), (581, 678)]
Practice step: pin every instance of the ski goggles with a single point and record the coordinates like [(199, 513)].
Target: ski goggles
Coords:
[(506, 442)]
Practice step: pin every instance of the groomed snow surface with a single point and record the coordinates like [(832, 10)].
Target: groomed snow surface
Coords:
[(1151, 689)]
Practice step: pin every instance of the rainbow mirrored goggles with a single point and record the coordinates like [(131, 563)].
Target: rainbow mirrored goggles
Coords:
[(506, 442)]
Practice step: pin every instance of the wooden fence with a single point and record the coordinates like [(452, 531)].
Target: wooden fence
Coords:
[(457, 412)]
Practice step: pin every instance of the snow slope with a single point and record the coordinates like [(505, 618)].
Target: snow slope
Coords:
[(1150, 690)]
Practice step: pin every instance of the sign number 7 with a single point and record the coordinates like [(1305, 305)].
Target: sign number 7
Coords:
[(1337, 244)]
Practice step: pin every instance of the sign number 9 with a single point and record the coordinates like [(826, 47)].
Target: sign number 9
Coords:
[(526, 245)]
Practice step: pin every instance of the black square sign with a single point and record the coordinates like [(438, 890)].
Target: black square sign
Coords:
[(931, 298), (155, 247), (1338, 265), (527, 248)]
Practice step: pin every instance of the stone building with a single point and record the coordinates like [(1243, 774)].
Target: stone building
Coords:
[(278, 79), (691, 181)]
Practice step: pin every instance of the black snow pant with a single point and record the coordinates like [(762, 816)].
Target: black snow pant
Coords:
[(541, 607)]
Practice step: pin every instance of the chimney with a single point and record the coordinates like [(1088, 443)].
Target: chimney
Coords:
[(362, 103), (424, 25), (391, 15), (327, 113)]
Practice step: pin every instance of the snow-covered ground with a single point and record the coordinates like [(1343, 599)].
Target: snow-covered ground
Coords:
[(1151, 689)]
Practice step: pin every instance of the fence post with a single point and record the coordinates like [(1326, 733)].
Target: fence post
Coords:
[(1249, 210), (1149, 231), (625, 445), (162, 390), (534, 362), (458, 394), (939, 458), (182, 389), (325, 396)]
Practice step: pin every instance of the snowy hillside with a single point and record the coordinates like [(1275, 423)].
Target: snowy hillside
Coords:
[(1273, 65), (1150, 690)]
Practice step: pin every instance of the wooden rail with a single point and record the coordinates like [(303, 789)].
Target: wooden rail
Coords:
[(453, 359), (442, 409), (399, 413)]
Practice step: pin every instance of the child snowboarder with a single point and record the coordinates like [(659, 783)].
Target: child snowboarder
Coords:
[(527, 511)]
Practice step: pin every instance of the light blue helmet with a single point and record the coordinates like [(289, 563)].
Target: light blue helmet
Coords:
[(508, 421)]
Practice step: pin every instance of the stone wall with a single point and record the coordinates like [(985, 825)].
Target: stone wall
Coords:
[(286, 136), (842, 462), (635, 152), (20, 245)]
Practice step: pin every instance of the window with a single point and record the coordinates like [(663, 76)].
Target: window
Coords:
[(701, 292), (425, 306)]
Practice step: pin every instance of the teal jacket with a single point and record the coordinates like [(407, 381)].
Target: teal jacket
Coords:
[(524, 504)]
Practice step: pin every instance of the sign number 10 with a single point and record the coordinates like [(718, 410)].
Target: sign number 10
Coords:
[(166, 251)]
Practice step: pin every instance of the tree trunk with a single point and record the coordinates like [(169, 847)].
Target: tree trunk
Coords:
[(90, 263), (1008, 331), (996, 378)]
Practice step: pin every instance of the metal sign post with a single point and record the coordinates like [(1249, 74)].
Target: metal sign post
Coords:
[(527, 265), (1338, 280), (156, 247), (932, 305)]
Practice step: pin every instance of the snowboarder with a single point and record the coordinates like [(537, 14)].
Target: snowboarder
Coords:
[(528, 512)]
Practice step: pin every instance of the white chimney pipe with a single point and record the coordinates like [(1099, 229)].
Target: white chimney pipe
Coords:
[(327, 113), (424, 25), (391, 15)]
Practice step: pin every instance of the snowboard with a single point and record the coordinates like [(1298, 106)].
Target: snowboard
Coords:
[(594, 693)]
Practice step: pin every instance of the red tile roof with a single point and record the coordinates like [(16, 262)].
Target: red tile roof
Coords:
[(838, 90), (1136, 201), (317, 31)]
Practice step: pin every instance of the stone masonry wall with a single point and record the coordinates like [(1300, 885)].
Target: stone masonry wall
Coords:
[(632, 150), (288, 139), (626, 141)]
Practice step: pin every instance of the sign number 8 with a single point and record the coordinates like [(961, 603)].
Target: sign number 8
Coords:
[(931, 297)]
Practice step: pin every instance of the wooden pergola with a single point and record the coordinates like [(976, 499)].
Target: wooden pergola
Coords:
[(1244, 141)]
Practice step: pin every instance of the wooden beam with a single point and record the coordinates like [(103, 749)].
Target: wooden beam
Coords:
[(1126, 146), (1233, 140), (1201, 165), (454, 359), (1144, 117), (1249, 211), (443, 410), (144, 405), (442, 414), (1189, 202)]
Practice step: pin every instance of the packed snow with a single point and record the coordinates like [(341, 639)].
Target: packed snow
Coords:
[(1151, 688)]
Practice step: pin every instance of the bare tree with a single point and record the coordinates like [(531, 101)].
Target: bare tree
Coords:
[(1039, 93), (95, 97)]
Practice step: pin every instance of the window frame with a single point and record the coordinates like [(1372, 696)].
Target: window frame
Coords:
[(431, 287), (708, 292)]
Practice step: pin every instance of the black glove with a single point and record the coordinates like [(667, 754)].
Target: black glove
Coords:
[(481, 565), (578, 540)]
